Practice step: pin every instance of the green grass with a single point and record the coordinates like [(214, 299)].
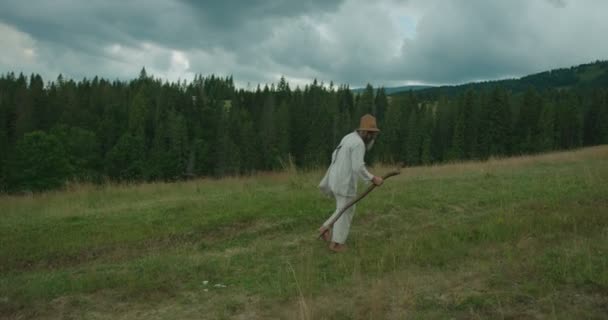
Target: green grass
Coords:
[(514, 238)]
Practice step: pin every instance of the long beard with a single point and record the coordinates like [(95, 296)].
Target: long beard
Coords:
[(369, 144)]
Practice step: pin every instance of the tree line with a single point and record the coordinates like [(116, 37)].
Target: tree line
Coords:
[(147, 129)]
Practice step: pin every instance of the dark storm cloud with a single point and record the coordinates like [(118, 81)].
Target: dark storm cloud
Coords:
[(384, 42)]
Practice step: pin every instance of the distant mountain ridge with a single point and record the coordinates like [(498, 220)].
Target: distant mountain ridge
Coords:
[(590, 75), (393, 90)]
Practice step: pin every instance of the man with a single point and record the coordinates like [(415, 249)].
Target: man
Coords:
[(340, 181)]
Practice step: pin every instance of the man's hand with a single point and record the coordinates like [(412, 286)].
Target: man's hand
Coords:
[(377, 180)]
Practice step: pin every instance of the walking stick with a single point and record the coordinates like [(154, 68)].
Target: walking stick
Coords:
[(351, 203)]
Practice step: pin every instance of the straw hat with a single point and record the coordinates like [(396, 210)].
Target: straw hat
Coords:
[(368, 123)]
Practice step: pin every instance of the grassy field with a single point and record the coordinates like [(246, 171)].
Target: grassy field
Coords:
[(519, 238)]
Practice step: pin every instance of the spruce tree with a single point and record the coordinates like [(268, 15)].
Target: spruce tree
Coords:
[(81, 149), (499, 122), (390, 138), (38, 163), (381, 104), (366, 103), (546, 127)]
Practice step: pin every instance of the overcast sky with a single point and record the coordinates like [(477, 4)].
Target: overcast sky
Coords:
[(386, 42)]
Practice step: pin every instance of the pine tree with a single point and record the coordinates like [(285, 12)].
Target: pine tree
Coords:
[(499, 122), (442, 130), (41, 115), (267, 133), (8, 116), (250, 155), (227, 157), (346, 110), (125, 161), (458, 140), (112, 125), (38, 163), (596, 119), (408, 106), (138, 112), (179, 147), (24, 110), (283, 92), (426, 156), (298, 131), (205, 131), (281, 133), (319, 127), (469, 104), (569, 121), (381, 104), (170, 152), (546, 127), (72, 113), (5, 144), (390, 140), (602, 131), (413, 141), (366, 104), (81, 150), (200, 157), (525, 128)]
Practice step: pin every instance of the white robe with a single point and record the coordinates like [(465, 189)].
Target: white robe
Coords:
[(340, 181)]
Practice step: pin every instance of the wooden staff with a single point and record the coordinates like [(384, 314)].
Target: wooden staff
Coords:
[(359, 197)]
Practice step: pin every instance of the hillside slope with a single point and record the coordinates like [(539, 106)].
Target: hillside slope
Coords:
[(514, 238)]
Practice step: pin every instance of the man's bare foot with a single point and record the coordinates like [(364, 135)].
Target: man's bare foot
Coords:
[(337, 247), (325, 233)]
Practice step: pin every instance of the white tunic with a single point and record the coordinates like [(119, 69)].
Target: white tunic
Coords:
[(347, 164)]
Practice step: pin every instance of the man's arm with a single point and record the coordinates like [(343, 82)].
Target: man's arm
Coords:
[(358, 163)]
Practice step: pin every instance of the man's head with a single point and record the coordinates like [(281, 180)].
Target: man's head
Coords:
[(368, 130)]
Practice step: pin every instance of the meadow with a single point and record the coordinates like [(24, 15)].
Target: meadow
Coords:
[(514, 238)]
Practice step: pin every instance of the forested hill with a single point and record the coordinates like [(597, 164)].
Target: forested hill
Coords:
[(591, 75), (394, 90), (146, 129)]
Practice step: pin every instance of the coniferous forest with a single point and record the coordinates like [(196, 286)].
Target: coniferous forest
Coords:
[(146, 129)]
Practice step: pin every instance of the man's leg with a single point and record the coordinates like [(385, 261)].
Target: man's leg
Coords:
[(325, 230), (341, 228)]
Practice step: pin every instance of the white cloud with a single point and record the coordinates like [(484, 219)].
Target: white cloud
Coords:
[(18, 49), (180, 66)]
